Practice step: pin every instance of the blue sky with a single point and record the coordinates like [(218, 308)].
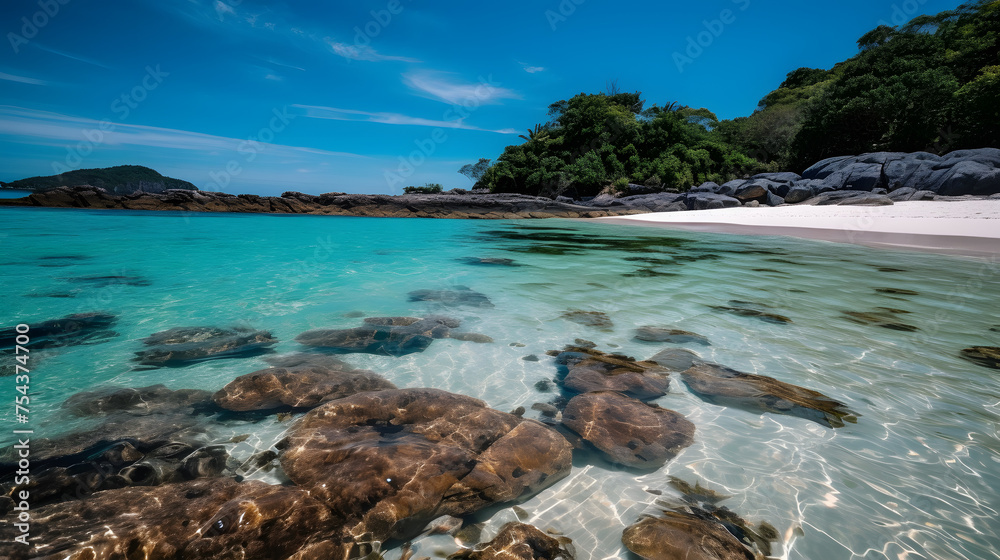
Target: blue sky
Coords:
[(246, 96)]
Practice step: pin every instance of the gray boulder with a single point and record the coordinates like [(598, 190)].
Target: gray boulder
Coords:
[(784, 177), (798, 194), (774, 200), (985, 156), (710, 187), (969, 177), (706, 201), (751, 191), (826, 167), (855, 198), (857, 177), (901, 194)]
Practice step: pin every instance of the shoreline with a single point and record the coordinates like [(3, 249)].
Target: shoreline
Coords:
[(966, 228)]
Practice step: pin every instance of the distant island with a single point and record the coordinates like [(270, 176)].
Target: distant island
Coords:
[(120, 179)]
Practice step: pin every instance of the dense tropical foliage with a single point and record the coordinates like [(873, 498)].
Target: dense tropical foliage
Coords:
[(932, 84)]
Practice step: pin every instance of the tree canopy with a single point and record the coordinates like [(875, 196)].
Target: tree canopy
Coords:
[(932, 84)]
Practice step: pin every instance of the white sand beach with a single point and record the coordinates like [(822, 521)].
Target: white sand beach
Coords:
[(966, 227)]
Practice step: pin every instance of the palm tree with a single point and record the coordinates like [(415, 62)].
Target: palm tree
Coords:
[(538, 133)]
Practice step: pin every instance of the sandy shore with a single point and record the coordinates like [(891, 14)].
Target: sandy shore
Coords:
[(968, 227)]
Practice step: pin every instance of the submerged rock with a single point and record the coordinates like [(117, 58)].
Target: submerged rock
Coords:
[(684, 536), (897, 292), (883, 317), (201, 519), (390, 336), (488, 261), (595, 319), (518, 541), (452, 298), (629, 432), (758, 393), (297, 387), (187, 345), (987, 356), (111, 465), (137, 401), (391, 461), (673, 336), (755, 310), (79, 328), (591, 370), (676, 359)]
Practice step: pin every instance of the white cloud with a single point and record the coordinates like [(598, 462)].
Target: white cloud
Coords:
[(29, 126), (534, 69), (221, 9), (362, 52), (22, 79), (436, 87), (273, 77), (336, 114)]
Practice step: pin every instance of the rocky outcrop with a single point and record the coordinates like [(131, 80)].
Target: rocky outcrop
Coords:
[(391, 461), (488, 206)]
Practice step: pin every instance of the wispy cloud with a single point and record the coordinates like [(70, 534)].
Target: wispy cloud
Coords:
[(531, 69), (54, 129), (336, 114), (440, 88), (272, 60), (362, 52), (273, 78), (222, 9), (71, 56), (22, 79)]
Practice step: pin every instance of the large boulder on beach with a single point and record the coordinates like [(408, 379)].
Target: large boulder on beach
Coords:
[(963, 172), (187, 345), (627, 431), (799, 193), (201, 519), (709, 201), (758, 393), (390, 461)]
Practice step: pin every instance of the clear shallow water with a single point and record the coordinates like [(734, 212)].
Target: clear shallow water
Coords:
[(916, 477)]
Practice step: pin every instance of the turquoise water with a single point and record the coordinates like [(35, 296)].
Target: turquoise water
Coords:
[(916, 477)]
